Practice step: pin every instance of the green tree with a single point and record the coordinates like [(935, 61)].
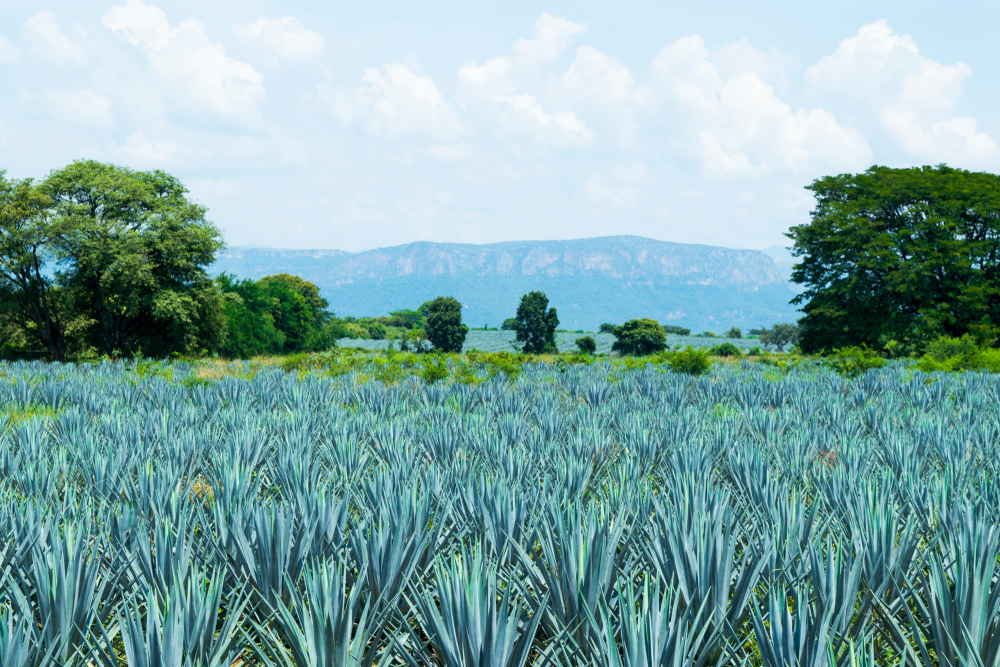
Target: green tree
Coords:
[(536, 326), (781, 335), (639, 338), (607, 327), (132, 250), (443, 326), (299, 313), (899, 254), (509, 324), (248, 308), (30, 303), (734, 332), (679, 331), (586, 344)]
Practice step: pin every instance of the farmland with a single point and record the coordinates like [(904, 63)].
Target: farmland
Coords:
[(505, 341), (580, 514)]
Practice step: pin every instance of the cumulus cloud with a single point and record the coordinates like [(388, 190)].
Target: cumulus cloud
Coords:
[(553, 35), (193, 70), (281, 39), (83, 107), (49, 43), (8, 52), (739, 127), (914, 99), (397, 102), (523, 115)]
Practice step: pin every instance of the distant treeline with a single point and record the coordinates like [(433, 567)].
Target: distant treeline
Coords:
[(100, 260)]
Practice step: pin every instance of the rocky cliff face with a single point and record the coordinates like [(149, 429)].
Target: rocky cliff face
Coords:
[(608, 279), (625, 258)]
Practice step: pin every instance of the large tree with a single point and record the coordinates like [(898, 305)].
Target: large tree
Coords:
[(29, 299), (536, 326), (899, 254), (133, 251)]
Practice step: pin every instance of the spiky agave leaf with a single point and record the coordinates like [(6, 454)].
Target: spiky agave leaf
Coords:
[(652, 629), (468, 620), (577, 565), (324, 625)]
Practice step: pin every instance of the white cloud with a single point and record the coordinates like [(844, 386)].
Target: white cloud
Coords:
[(281, 39), (9, 53), (739, 127), (397, 102), (523, 115), (553, 35), (912, 98), (84, 107), (601, 85), (49, 43), (456, 152), (624, 194), (188, 66), (144, 149)]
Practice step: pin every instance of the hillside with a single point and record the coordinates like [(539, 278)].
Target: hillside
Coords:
[(589, 281)]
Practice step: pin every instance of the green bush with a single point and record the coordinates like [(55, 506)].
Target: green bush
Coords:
[(734, 332), (854, 361), (639, 338), (959, 354), (586, 344), (677, 331), (754, 352), (724, 350), (434, 369), (689, 360), (607, 327)]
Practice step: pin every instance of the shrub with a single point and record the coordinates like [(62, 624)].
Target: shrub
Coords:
[(434, 369), (959, 354), (586, 344), (607, 327), (640, 337), (677, 331), (854, 361), (754, 352), (725, 350), (689, 360), (734, 332), (443, 326)]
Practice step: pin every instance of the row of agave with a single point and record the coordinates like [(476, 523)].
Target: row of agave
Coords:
[(581, 516)]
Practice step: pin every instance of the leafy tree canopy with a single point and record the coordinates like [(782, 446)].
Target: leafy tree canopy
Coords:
[(443, 326), (536, 323), (640, 337), (902, 255)]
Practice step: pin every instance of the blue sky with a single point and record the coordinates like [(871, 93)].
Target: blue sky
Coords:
[(359, 125)]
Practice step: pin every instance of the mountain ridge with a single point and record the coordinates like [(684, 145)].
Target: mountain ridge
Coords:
[(593, 280)]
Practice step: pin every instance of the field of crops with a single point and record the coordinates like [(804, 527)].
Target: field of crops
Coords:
[(505, 341), (578, 515)]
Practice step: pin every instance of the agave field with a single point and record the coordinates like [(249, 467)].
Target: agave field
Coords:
[(506, 341), (575, 515)]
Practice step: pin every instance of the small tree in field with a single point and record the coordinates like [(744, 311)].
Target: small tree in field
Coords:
[(640, 337), (607, 327), (734, 332), (536, 326), (443, 326), (586, 344), (780, 335)]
